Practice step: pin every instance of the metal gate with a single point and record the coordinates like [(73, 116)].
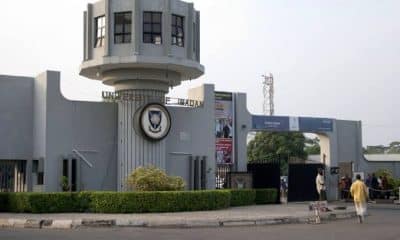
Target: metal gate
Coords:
[(12, 176), (266, 175), (301, 185), (221, 177)]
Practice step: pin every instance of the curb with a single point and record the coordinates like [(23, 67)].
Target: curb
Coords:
[(181, 223)]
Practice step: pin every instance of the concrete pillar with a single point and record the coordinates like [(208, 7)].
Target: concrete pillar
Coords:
[(134, 150)]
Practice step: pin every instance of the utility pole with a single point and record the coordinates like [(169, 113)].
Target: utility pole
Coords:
[(268, 90)]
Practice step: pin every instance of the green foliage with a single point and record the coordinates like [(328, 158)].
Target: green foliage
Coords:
[(133, 202), (245, 197), (242, 197), (154, 179), (266, 196), (272, 146), (115, 202), (43, 202), (391, 180), (312, 146), (394, 148), (64, 184), (3, 202)]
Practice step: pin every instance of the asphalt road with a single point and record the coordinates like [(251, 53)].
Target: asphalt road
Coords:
[(383, 224)]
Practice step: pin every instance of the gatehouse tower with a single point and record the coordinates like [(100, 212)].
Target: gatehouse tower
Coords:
[(142, 48)]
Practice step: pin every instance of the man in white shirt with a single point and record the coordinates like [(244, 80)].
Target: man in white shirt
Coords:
[(320, 184)]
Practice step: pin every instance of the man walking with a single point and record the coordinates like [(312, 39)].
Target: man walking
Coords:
[(360, 195)]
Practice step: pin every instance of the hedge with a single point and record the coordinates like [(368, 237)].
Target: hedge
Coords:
[(245, 197), (114, 202), (133, 202), (148, 202), (266, 196), (3, 202), (242, 197)]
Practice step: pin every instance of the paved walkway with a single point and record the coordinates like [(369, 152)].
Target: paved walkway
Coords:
[(239, 216)]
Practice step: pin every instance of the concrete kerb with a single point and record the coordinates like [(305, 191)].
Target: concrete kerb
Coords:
[(172, 223)]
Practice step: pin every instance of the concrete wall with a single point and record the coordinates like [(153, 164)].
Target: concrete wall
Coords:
[(192, 134), (242, 127), (16, 108), (343, 145), (88, 127)]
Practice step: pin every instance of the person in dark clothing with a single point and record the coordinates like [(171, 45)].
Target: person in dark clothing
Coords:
[(368, 183), (374, 185), (226, 131), (347, 186)]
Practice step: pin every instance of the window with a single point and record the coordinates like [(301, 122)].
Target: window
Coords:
[(152, 32), (122, 27), (100, 26), (178, 32), (194, 37)]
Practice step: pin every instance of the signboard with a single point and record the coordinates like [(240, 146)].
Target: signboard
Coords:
[(224, 131), (133, 97), (270, 123), (291, 124), (316, 124)]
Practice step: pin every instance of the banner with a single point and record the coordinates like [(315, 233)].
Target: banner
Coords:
[(224, 131)]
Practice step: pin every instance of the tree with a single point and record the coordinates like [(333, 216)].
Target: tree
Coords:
[(394, 147), (312, 146), (272, 146)]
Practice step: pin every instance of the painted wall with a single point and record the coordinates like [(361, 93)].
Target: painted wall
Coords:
[(16, 108), (192, 134), (88, 127)]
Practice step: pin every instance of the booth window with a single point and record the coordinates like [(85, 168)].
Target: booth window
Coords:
[(100, 27), (152, 26), (178, 30), (122, 27)]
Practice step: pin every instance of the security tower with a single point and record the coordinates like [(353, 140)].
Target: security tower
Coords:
[(141, 48)]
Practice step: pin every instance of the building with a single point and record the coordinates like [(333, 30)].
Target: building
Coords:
[(142, 48)]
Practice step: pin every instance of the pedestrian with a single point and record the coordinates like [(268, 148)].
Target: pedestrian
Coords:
[(374, 186), (342, 188), (348, 185), (368, 183), (320, 184), (368, 180), (283, 188), (360, 195)]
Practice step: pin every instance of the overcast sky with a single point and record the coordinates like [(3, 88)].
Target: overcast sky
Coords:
[(330, 58)]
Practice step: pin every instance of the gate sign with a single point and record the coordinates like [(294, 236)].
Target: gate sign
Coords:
[(291, 124), (271, 123), (316, 124)]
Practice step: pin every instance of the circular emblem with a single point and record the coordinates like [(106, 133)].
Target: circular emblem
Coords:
[(155, 121)]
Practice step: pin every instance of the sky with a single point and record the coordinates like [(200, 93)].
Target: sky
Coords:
[(330, 58)]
